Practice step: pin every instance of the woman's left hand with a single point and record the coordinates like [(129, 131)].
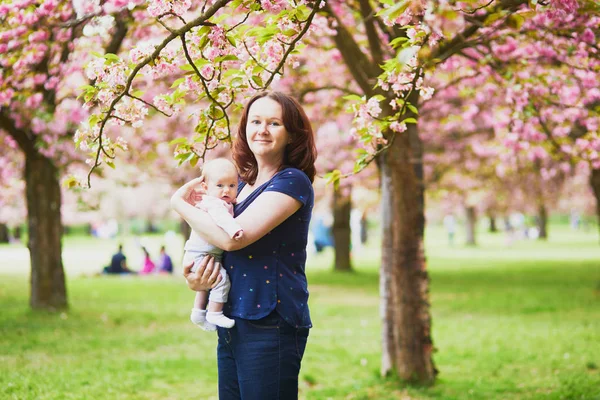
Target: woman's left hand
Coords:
[(206, 277)]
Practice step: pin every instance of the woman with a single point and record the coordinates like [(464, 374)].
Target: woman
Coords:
[(259, 358), (149, 265)]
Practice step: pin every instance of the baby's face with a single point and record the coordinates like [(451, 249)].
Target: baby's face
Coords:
[(222, 184)]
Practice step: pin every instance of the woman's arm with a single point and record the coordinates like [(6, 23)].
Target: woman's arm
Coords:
[(264, 214)]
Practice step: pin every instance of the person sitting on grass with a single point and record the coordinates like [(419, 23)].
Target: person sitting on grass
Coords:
[(220, 183), (148, 266), (164, 265), (118, 264)]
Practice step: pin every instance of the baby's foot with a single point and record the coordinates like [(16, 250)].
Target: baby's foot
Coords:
[(198, 317), (218, 319)]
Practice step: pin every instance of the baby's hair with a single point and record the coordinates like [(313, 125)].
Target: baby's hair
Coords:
[(216, 164)]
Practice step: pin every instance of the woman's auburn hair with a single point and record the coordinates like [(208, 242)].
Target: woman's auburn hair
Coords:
[(300, 153)]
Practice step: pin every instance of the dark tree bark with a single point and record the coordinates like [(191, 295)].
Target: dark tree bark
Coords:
[(595, 184), (471, 224), (493, 226), (150, 227), (341, 230), (48, 290), (404, 282), (17, 232), (3, 233), (542, 222)]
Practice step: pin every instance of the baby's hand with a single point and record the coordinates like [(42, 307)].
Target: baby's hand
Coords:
[(238, 235)]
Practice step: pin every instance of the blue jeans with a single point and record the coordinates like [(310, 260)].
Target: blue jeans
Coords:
[(260, 359)]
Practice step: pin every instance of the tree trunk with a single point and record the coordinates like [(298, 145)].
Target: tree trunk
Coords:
[(493, 227), (471, 222), (150, 227), (341, 230), (404, 282), (542, 222), (17, 232), (595, 184), (3, 233), (48, 290)]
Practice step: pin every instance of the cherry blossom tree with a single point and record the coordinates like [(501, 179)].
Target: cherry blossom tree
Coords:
[(42, 47), (337, 151)]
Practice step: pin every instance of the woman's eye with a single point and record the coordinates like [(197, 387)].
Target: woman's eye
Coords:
[(219, 185), (275, 123)]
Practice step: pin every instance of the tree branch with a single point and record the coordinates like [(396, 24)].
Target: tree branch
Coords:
[(361, 68), (447, 49), (374, 42), (25, 141)]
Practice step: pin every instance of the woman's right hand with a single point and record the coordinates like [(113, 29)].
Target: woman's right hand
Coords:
[(206, 277), (191, 192)]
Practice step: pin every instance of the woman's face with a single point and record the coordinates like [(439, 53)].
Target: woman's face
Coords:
[(266, 135)]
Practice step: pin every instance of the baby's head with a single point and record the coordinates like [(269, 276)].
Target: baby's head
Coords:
[(220, 179)]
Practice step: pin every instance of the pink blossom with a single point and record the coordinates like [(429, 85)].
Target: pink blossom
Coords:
[(538, 153), (212, 52), (34, 101), (48, 6), (5, 96), (426, 92), (207, 70), (398, 126), (141, 51), (63, 35), (217, 36), (273, 6), (4, 9), (51, 83), (567, 6), (38, 36), (158, 7), (39, 79), (115, 5), (161, 103), (373, 107), (582, 144), (179, 7)]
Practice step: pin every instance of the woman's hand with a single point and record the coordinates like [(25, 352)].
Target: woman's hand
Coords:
[(191, 192), (206, 277)]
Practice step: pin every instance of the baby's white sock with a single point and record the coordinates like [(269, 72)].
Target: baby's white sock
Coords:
[(219, 319), (198, 317)]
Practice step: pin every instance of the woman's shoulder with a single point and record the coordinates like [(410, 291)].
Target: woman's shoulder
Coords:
[(292, 173), (293, 182)]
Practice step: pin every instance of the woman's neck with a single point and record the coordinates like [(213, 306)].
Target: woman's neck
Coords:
[(266, 172)]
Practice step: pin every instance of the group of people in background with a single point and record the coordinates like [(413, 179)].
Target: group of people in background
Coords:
[(118, 263)]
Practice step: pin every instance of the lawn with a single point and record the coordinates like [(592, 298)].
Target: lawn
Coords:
[(509, 322)]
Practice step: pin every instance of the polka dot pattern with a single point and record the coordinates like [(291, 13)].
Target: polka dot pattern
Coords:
[(269, 273)]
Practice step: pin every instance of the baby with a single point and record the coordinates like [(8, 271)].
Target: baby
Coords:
[(220, 184)]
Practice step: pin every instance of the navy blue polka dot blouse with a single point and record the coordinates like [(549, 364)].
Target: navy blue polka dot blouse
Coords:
[(269, 273)]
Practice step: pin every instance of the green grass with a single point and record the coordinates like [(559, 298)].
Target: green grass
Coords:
[(518, 322)]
